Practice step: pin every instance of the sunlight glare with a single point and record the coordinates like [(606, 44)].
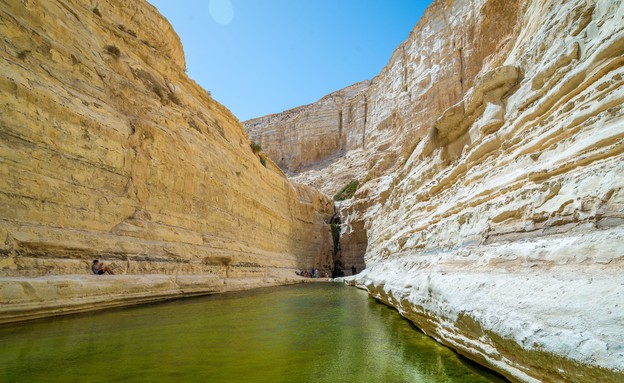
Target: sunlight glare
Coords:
[(221, 11)]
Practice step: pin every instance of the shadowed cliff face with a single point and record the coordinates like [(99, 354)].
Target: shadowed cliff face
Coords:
[(108, 150), (491, 157)]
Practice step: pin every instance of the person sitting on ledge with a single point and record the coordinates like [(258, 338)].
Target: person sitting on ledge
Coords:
[(99, 268)]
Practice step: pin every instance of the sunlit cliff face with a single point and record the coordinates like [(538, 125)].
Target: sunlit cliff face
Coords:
[(111, 152), (488, 155), (490, 158)]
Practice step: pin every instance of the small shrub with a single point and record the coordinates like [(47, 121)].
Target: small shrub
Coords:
[(97, 12), (22, 55), (257, 150), (255, 147), (347, 192), (113, 51)]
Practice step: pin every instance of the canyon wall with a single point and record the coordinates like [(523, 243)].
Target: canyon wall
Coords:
[(306, 136), (108, 150), (492, 164)]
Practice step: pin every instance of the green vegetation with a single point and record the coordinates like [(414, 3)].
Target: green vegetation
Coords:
[(347, 192), (256, 148)]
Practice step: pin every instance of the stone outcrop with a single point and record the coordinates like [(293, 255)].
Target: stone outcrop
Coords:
[(491, 159), (26, 298), (306, 136), (109, 151)]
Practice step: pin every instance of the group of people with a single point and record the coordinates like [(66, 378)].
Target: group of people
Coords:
[(310, 274), (99, 268), (336, 272)]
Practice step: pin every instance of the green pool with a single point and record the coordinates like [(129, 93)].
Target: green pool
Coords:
[(320, 332)]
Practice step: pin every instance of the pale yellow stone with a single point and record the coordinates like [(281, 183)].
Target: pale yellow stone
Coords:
[(108, 150)]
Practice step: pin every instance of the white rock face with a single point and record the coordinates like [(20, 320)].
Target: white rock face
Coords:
[(493, 218)]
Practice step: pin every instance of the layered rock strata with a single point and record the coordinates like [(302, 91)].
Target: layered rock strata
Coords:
[(108, 150), (492, 208), (26, 298), (307, 136)]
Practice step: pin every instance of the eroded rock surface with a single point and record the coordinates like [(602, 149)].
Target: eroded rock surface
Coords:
[(492, 157), (108, 150), (306, 136)]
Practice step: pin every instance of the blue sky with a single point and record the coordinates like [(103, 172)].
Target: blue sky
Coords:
[(259, 57)]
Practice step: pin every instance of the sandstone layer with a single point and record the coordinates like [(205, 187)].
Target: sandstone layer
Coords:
[(29, 298), (491, 157), (312, 134), (108, 150)]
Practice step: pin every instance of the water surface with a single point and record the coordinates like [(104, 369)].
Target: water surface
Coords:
[(321, 332)]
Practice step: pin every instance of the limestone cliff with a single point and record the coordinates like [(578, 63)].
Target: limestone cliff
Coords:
[(491, 157), (311, 134), (108, 150)]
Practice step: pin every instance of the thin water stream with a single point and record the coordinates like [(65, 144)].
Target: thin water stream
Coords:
[(322, 332)]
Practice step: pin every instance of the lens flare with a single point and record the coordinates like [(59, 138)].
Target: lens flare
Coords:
[(221, 11)]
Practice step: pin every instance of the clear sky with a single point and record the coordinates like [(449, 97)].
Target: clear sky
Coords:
[(259, 57)]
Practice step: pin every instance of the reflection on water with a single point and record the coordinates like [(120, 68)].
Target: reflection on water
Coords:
[(322, 332)]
